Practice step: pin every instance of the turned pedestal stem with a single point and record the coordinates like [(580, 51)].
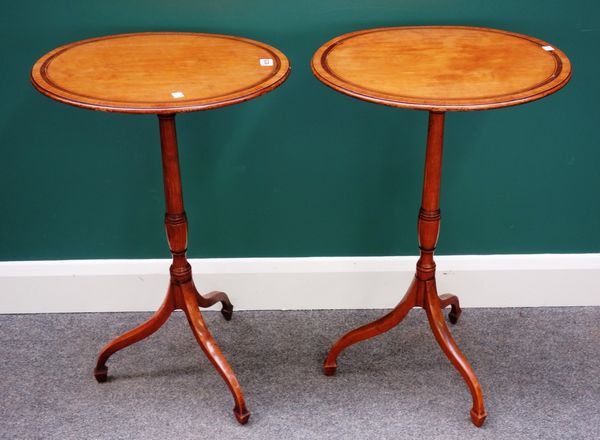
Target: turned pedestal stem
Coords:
[(175, 218), (429, 214)]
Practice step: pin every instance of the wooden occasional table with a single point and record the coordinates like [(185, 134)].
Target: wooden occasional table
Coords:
[(165, 73), (438, 69)]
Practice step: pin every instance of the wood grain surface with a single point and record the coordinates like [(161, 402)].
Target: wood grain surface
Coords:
[(160, 73), (441, 68)]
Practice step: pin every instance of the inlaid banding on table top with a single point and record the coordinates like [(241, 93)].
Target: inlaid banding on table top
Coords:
[(555, 73), (160, 72), (45, 68), (441, 68)]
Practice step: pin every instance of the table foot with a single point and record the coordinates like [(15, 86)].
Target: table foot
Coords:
[(132, 336), (478, 418), (227, 313), (211, 298), (189, 295), (370, 330), (432, 306), (101, 374), (448, 299), (242, 415), (329, 368)]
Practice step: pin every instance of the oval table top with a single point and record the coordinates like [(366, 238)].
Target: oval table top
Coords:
[(441, 68), (159, 72)]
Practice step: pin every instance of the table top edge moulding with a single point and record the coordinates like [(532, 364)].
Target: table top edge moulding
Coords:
[(548, 67), (271, 69)]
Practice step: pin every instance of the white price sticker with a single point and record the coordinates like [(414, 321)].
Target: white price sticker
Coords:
[(266, 62), (177, 95)]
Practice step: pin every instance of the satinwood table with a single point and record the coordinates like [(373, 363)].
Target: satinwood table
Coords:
[(164, 74), (437, 69)]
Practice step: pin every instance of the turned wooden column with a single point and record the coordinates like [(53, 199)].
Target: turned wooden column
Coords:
[(429, 214), (175, 218)]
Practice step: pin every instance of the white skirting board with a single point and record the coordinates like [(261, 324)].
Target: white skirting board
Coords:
[(300, 283)]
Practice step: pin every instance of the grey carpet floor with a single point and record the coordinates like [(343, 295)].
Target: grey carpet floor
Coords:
[(539, 369)]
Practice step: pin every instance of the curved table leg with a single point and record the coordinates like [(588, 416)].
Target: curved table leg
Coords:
[(211, 298), (132, 336), (370, 330), (212, 351), (447, 299), (442, 335)]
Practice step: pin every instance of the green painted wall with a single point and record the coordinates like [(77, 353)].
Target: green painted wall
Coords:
[(303, 170)]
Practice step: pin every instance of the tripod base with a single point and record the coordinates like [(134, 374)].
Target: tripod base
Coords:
[(184, 296), (421, 293)]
